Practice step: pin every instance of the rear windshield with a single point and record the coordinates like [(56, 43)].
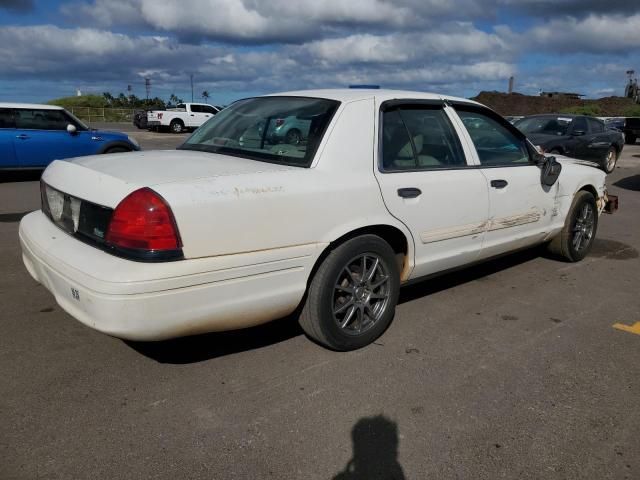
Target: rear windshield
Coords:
[(285, 130), (550, 125)]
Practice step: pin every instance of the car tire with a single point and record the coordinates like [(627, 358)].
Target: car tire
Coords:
[(348, 307), (630, 140), (293, 137), (610, 160), (176, 126), (575, 240)]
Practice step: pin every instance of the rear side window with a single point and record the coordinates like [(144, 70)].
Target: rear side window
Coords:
[(496, 144), (208, 109), (419, 138), (196, 108), (41, 119), (6, 118)]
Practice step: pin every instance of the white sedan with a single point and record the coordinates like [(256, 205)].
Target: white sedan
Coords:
[(236, 228)]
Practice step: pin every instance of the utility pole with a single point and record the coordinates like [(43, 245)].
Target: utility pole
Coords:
[(191, 77), (147, 86)]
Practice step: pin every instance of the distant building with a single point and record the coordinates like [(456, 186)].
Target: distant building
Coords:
[(564, 95)]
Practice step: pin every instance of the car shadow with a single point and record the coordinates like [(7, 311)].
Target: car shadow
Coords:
[(11, 176), (440, 282), (375, 451), (199, 348), (208, 346), (14, 217), (629, 183)]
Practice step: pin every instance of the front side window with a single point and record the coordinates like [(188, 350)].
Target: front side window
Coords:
[(579, 125), (208, 109), (596, 126), (419, 138), (284, 130), (41, 119), (196, 108), (495, 143)]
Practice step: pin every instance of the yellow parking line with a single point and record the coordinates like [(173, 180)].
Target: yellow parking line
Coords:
[(635, 328)]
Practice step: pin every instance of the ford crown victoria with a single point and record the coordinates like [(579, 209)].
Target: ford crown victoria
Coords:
[(382, 188)]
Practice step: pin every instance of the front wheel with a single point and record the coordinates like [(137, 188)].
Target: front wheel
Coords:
[(610, 160), (352, 297), (576, 238)]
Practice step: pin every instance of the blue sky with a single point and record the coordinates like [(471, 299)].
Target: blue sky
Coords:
[(236, 48)]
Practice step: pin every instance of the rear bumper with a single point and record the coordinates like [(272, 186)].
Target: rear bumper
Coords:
[(140, 301), (153, 123)]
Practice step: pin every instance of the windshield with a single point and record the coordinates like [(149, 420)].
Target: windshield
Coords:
[(552, 125), (285, 130)]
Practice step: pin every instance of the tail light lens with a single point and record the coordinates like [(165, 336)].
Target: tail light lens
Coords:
[(143, 221)]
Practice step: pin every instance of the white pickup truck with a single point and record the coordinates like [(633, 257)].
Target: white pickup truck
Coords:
[(184, 116)]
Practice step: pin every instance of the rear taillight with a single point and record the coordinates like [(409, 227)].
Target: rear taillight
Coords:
[(143, 221)]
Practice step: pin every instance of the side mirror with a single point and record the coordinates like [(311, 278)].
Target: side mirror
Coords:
[(578, 133), (72, 129), (551, 169)]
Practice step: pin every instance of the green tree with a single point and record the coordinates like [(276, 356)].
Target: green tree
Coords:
[(205, 96)]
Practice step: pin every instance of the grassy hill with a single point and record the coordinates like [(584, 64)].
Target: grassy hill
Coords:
[(92, 101), (518, 104)]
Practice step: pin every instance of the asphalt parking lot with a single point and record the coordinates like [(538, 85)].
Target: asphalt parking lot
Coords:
[(510, 369)]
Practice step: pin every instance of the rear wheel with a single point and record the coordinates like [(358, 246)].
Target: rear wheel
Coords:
[(176, 126), (610, 160), (576, 238), (352, 297)]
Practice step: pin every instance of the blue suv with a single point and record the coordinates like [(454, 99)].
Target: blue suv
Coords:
[(32, 136)]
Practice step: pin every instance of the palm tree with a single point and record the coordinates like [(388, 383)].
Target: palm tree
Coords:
[(174, 99), (205, 95)]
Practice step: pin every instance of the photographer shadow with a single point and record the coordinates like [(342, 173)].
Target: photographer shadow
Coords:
[(375, 451)]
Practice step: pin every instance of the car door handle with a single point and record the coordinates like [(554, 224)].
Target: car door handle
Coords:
[(22, 136), (499, 183), (193, 115), (411, 192)]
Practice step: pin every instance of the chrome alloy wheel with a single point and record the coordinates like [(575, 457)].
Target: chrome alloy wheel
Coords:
[(584, 227), (361, 294), (611, 160)]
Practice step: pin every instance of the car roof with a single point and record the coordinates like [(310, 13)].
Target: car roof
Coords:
[(30, 105), (382, 95)]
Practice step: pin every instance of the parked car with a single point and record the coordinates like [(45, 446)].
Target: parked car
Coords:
[(513, 118), (389, 187), (631, 129), (185, 116), (575, 136), (32, 136), (140, 117)]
